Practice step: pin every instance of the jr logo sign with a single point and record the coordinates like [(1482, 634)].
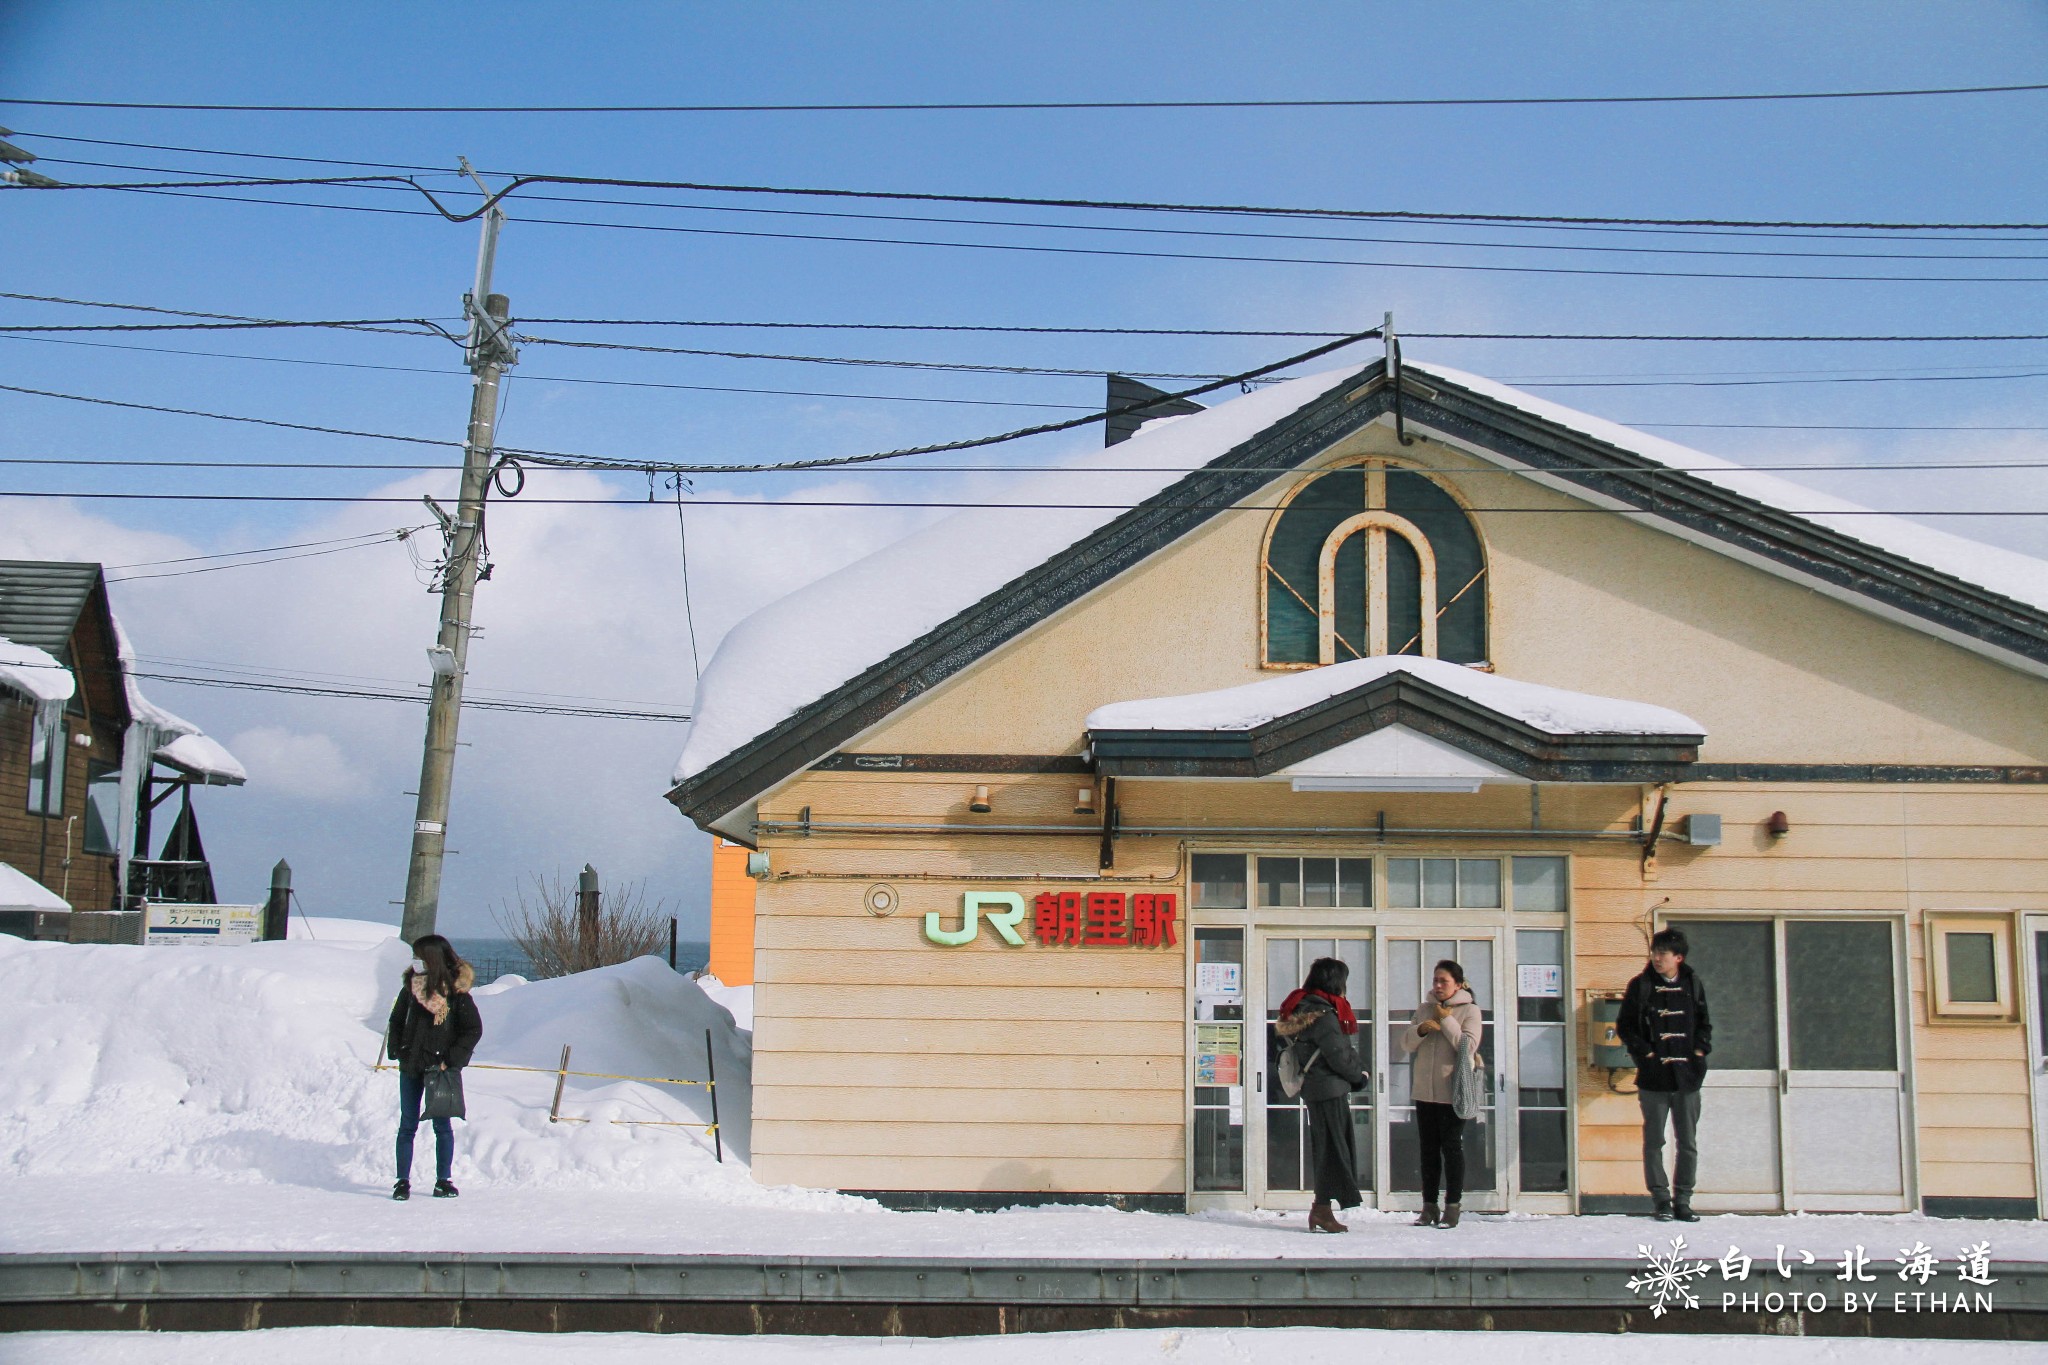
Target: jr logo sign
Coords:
[(1091, 919)]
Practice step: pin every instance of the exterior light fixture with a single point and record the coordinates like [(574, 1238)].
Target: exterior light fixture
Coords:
[(82, 740), (1084, 801), (979, 805), (1778, 826), (441, 659)]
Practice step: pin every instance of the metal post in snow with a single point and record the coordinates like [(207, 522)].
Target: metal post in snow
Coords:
[(586, 918), (277, 911), (671, 942), (711, 1084), (561, 1079)]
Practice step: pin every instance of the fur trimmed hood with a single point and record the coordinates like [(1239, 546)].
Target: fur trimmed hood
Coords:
[(416, 983)]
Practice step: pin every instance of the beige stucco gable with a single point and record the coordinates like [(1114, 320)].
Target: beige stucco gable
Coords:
[(1587, 600)]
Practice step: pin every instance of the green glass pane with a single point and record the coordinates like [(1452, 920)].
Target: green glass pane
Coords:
[(1218, 881), (1461, 626), (1539, 885), (1839, 1008), (1737, 964), (1972, 968)]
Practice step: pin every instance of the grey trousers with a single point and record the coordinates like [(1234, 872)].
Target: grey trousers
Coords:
[(1681, 1109)]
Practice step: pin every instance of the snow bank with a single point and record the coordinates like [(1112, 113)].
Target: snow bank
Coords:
[(738, 1001), (255, 1065), (801, 647), (331, 929), (1550, 709)]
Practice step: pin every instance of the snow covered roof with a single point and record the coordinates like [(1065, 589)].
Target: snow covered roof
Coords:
[(19, 891), (1549, 709), (2007, 572), (810, 671), (798, 649), (35, 673), (180, 743)]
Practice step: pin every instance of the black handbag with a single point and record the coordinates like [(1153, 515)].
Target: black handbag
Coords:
[(441, 1097)]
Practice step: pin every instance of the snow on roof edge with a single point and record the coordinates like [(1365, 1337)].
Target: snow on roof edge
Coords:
[(1247, 706), (207, 757), (37, 673), (2009, 573)]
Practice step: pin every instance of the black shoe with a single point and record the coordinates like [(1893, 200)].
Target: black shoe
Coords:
[(445, 1189), (1684, 1214), (402, 1191), (1663, 1213)]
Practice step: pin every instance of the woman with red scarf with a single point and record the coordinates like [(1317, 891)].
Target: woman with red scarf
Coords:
[(1319, 1022)]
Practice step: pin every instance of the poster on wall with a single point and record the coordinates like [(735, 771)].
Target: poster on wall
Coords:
[(1539, 983), (1219, 1049), (201, 926)]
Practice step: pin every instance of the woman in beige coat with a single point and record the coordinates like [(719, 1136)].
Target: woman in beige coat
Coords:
[(1442, 1022)]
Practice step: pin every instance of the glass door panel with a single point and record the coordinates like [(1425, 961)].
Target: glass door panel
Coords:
[(1737, 961), (1844, 1092), (1411, 962), (1286, 958), (1217, 1127), (2034, 967)]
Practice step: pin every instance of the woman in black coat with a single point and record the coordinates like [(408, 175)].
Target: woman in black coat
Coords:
[(1319, 1022), (434, 1026)]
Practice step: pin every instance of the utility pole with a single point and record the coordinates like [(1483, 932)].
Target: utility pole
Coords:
[(490, 354)]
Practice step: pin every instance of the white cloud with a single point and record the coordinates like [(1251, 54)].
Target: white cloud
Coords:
[(584, 602), (310, 767)]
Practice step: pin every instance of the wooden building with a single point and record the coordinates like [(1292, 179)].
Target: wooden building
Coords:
[(1057, 804), (87, 763)]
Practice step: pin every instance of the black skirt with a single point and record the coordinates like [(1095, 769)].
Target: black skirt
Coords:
[(1333, 1152)]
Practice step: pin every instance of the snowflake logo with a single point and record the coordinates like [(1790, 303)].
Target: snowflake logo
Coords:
[(1668, 1277)]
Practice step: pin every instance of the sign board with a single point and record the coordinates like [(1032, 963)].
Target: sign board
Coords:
[(1219, 978), (206, 926), (1539, 983), (1219, 1050)]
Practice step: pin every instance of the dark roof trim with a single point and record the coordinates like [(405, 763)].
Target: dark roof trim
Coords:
[(952, 763), (1602, 471), (1743, 524), (1395, 699)]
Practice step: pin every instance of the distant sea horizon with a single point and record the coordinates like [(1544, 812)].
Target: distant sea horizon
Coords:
[(496, 957)]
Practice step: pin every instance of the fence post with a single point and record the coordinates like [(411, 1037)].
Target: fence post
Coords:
[(586, 918), (711, 1084), (277, 911), (671, 942), (562, 1079)]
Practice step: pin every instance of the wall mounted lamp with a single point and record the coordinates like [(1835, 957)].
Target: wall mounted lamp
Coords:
[(1084, 801), (1778, 826), (980, 804)]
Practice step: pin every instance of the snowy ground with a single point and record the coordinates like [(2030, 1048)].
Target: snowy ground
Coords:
[(1208, 1346), (178, 1099)]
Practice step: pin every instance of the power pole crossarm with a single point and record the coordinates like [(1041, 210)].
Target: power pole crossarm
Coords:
[(490, 354)]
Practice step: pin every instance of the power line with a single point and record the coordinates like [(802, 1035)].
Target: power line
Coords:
[(1130, 253), (969, 504), (267, 559), (1418, 102), (528, 378), (406, 166), (670, 467), (370, 694), (848, 215), (937, 197)]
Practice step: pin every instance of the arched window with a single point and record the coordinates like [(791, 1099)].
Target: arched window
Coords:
[(1370, 559)]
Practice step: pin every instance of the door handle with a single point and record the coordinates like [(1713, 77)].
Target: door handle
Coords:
[(1784, 1082)]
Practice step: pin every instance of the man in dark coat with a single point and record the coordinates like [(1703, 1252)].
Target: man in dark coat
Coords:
[(1665, 1026)]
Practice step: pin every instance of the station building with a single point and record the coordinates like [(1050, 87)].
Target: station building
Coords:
[(1050, 806)]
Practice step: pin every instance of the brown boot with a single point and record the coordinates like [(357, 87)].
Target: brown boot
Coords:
[(1450, 1218), (1428, 1217), (1321, 1219)]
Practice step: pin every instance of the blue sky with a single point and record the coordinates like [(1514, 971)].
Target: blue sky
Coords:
[(585, 601)]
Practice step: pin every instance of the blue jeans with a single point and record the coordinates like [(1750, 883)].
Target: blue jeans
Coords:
[(410, 1088)]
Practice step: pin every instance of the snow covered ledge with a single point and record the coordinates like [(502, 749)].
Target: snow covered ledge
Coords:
[(1394, 723)]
